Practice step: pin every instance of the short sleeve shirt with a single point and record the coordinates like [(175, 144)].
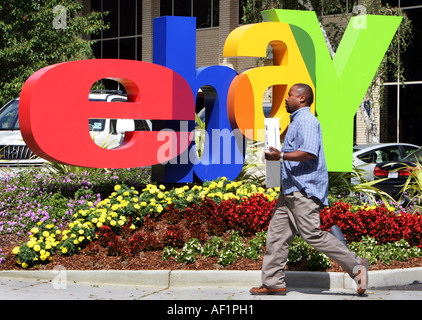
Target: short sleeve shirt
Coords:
[(304, 134)]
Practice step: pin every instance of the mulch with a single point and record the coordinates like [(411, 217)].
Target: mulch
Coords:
[(152, 260)]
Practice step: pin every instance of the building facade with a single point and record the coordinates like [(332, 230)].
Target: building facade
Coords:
[(130, 36), (401, 114)]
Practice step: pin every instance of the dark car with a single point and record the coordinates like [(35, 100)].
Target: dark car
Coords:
[(396, 172)]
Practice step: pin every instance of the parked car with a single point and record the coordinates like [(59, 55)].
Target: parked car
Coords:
[(396, 172), (107, 133), (367, 156)]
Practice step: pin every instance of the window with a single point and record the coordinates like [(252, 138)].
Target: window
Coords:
[(205, 11), (404, 102), (386, 154), (408, 150), (123, 40), (9, 119), (381, 155)]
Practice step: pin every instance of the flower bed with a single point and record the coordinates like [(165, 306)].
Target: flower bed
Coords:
[(217, 206), (221, 220), (34, 195), (377, 222)]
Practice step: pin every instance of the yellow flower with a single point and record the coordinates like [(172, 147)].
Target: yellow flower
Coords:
[(99, 224), (143, 203), (45, 234), (16, 250), (64, 250), (112, 223), (81, 231), (30, 243), (34, 230), (117, 187), (37, 247), (24, 265)]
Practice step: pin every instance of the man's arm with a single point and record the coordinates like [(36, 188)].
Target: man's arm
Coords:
[(274, 155)]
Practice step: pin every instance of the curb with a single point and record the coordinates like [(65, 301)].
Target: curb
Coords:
[(216, 278)]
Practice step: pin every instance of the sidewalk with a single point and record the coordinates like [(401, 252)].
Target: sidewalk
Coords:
[(201, 285)]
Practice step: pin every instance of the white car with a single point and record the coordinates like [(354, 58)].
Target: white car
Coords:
[(366, 156), (107, 133)]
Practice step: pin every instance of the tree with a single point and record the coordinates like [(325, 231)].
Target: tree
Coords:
[(38, 33), (252, 8)]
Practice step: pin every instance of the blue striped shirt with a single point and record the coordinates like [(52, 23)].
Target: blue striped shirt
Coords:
[(304, 134)]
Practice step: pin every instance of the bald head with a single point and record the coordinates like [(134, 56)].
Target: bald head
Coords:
[(305, 90), (300, 95)]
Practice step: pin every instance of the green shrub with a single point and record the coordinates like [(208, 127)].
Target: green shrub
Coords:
[(385, 253)]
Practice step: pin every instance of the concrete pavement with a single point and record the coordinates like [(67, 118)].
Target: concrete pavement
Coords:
[(61, 284), (13, 289)]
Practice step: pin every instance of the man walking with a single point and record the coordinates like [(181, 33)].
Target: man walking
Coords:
[(304, 191)]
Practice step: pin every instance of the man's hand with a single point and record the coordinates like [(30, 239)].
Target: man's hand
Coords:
[(273, 154)]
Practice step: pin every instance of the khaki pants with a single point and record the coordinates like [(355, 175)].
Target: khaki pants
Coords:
[(295, 213)]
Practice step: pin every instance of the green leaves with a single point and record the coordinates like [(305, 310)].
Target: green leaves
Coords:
[(385, 253), (413, 184), (227, 252), (29, 41)]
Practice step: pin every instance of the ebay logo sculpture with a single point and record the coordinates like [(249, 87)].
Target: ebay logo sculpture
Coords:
[(56, 128)]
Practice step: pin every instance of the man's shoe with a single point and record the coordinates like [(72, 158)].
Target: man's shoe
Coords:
[(361, 277), (267, 291)]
